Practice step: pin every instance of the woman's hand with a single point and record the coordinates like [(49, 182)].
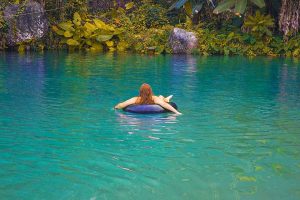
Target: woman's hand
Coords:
[(118, 106), (165, 105)]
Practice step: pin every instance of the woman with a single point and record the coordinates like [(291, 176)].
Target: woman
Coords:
[(147, 97)]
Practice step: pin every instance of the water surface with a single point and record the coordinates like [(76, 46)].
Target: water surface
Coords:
[(238, 137)]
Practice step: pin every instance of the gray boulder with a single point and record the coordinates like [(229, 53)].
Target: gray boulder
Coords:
[(182, 41), (32, 23)]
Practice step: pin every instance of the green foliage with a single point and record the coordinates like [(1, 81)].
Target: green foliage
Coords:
[(146, 28), (191, 7), (213, 43), (259, 25), (2, 22), (238, 7), (3, 31), (149, 16), (85, 33), (237, 43), (291, 48), (152, 41)]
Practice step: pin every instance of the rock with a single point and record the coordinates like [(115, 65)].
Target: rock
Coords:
[(30, 24), (182, 41)]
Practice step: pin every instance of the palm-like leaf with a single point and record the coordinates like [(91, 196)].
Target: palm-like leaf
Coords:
[(238, 5), (196, 4), (224, 5), (178, 4), (259, 3), (259, 24)]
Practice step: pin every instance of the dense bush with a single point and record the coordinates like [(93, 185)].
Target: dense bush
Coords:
[(144, 27), (149, 16), (85, 33)]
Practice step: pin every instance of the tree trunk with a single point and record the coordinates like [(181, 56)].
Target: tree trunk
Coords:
[(289, 17)]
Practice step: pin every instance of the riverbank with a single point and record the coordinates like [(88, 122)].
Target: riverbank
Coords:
[(145, 28)]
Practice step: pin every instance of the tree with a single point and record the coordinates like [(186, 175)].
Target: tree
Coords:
[(238, 7), (289, 17)]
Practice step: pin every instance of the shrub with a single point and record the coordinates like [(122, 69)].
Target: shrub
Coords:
[(85, 33)]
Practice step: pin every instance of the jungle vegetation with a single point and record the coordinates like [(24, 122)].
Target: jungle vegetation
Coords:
[(223, 27)]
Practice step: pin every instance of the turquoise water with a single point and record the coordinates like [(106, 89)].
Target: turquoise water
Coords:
[(238, 137)]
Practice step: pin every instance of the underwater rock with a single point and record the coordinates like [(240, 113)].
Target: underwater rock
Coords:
[(182, 41), (25, 22)]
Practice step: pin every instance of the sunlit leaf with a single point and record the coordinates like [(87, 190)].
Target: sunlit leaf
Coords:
[(109, 43), (100, 24), (68, 34), (87, 34), (103, 38), (129, 5), (57, 31), (89, 42), (76, 19), (67, 26), (90, 27), (72, 42), (111, 49), (122, 46)]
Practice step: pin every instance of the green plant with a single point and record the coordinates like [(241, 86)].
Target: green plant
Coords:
[(85, 33), (2, 22), (3, 31), (259, 25), (149, 16), (153, 40), (239, 6), (145, 29), (212, 42), (292, 47), (191, 6)]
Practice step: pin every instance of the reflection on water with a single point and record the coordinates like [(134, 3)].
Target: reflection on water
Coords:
[(136, 123)]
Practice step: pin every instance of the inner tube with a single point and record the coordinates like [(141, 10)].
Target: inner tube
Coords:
[(148, 108)]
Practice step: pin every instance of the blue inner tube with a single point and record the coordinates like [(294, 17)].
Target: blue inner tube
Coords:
[(148, 108)]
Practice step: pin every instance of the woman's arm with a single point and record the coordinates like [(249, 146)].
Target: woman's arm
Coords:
[(165, 105), (126, 103)]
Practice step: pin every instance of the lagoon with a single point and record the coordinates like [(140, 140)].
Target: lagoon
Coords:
[(238, 137)]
